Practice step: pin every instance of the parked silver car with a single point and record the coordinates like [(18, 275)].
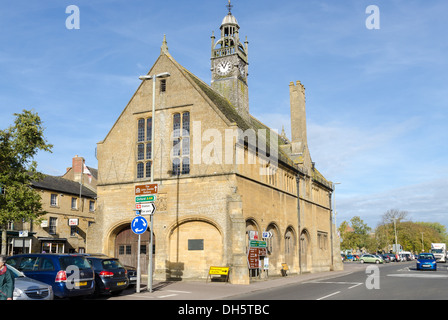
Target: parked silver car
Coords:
[(29, 289)]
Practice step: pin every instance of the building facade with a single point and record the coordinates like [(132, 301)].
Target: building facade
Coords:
[(223, 177), (70, 203)]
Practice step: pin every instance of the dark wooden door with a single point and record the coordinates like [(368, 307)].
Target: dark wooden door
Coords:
[(126, 249)]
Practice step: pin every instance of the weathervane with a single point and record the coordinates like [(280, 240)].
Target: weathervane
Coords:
[(229, 6)]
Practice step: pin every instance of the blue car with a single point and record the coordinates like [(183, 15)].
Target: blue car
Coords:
[(426, 261), (70, 275)]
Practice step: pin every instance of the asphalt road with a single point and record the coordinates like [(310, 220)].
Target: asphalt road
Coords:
[(391, 281)]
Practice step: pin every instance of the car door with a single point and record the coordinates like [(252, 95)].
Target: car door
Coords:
[(47, 270)]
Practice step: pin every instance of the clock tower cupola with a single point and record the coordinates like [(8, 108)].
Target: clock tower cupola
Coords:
[(229, 65)]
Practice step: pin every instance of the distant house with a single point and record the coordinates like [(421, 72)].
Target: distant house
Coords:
[(70, 203)]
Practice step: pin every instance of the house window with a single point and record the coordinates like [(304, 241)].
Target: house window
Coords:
[(74, 203), (141, 130), (148, 169), (141, 152), (162, 85), (73, 231), (181, 143), (144, 148), (149, 129), (91, 206), (140, 172), (185, 165), (54, 200), (52, 227)]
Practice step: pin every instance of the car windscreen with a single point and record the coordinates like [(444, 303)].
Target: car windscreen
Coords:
[(426, 257), (77, 261), (111, 264), (16, 273)]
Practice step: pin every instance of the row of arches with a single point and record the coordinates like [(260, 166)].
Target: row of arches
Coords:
[(283, 246), (188, 248)]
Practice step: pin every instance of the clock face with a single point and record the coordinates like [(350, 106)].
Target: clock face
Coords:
[(224, 67)]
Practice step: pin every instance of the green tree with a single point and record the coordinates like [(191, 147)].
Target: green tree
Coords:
[(19, 144), (354, 235), (412, 236)]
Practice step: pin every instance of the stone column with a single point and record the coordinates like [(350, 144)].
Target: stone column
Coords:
[(239, 273)]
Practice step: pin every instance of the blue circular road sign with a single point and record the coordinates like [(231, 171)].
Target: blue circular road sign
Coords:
[(139, 225)]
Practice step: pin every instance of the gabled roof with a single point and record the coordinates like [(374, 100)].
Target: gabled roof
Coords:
[(230, 112), (232, 115), (61, 185)]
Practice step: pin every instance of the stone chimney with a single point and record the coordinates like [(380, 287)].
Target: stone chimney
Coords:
[(298, 117), (77, 167)]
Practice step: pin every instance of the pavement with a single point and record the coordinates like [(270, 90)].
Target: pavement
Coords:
[(202, 290)]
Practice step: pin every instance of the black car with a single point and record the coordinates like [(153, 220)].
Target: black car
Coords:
[(132, 275), (110, 274)]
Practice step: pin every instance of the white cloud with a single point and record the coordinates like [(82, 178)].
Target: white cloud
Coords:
[(424, 201)]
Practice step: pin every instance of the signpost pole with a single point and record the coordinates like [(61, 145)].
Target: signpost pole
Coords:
[(151, 217), (139, 225), (145, 195), (139, 272)]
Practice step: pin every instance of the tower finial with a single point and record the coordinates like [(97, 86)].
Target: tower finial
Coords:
[(229, 6), (164, 48)]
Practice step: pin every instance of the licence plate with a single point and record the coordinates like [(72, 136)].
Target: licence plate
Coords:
[(83, 283), (121, 283), (426, 266), (133, 278)]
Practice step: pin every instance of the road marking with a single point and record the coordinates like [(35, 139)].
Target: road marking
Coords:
[(334, 282), (331, 294), (358, 284), (404, 269), (177, 291), (166, 296), (417, 275)]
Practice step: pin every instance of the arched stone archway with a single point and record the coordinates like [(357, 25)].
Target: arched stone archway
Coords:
[(251, 225), (193, 246), (290, 239), (124, 246), (274, 248), (305, 251)]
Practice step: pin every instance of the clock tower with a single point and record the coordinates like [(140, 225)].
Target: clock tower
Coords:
[(229, 65)]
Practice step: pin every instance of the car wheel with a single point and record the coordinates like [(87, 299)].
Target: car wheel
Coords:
[(377, 261), (362, 261)]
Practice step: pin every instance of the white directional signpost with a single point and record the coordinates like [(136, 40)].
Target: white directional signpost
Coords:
[(145, 195), (146, 208)]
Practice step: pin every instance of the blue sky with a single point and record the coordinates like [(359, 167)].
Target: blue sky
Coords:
[(376, 99)]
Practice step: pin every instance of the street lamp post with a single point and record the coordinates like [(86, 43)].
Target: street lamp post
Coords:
[(396, 241), (334, 202), (144, 78), (331, 221)]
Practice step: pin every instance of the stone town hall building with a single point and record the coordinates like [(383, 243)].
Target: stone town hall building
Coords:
[(220, 178)]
